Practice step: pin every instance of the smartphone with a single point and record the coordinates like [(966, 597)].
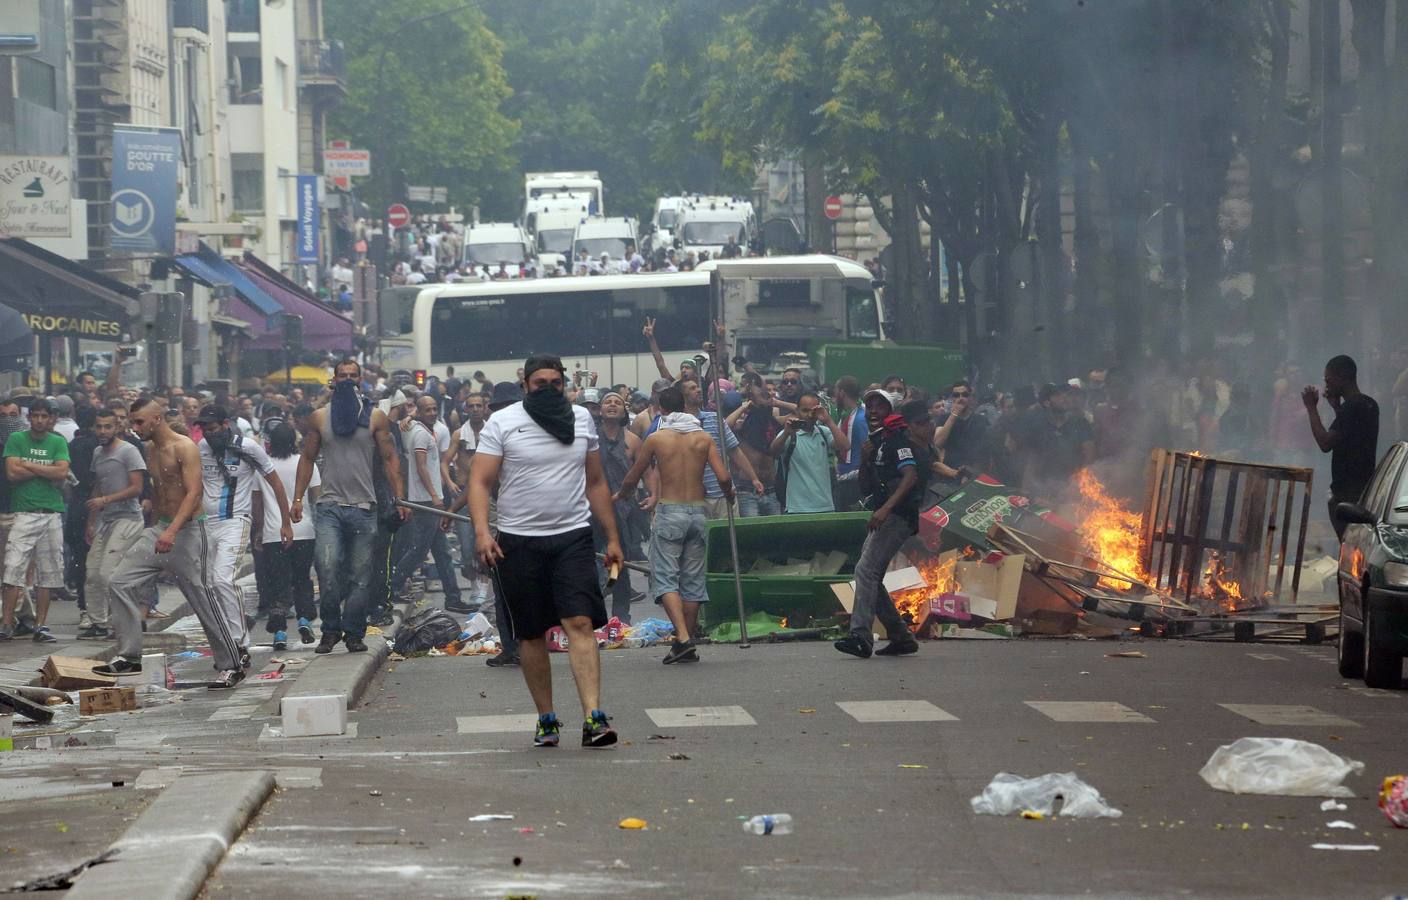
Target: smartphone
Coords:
[(126, 352)]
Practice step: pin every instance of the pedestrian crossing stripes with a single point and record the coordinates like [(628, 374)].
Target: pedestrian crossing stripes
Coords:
[(870, 712)]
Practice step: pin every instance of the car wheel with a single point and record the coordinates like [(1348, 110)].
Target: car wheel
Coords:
[(1351, 649), (1382, 667)]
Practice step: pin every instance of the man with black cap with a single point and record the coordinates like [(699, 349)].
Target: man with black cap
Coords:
[(229, 465), (894, 472), (542, 455)]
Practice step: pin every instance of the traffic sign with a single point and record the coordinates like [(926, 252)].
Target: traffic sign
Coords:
[(833, 207), (397, 216)]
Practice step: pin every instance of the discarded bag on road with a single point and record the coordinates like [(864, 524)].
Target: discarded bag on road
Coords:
[(425, 630), (1007, 794), (1280, 766)]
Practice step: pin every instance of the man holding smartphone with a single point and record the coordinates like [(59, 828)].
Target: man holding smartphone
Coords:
[(803, 449)]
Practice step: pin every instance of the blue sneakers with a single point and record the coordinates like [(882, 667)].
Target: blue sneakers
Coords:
[(549, 731)]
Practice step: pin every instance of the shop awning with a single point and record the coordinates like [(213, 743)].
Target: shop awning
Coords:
[(210, 269), (57, 296), (324, 329)]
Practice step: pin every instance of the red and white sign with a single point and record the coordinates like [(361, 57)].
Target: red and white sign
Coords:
[(341, 182), (832, 207), (346, 163), (397, 216)]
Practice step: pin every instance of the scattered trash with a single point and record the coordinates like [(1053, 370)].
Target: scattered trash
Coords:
[(619, 864), (912, 766), (678, 756), (20, 706), (525, 831), (661, 737), (1393, 800), (491, 817), (632, 824), (647, 632), (97, 701), (1279, 766), (378, 794), (1007, 794), (1333, 805), (1127, 654), (426, 630), (1340, 823), (1361, 847), (777, 823), (69, 673), (806, 710), (1032, 814)]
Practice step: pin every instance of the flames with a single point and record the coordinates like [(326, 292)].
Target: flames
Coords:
[(1110, 529), (1218, 586), (939, 579)]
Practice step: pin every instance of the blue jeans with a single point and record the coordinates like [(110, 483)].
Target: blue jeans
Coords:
[(345, 536), (764, 504), (445, 565), (413, 541)]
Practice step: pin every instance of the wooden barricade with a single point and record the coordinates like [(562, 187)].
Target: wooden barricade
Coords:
[(1246, 513)]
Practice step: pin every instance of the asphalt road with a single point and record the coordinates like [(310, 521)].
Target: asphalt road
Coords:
[(880, 808)]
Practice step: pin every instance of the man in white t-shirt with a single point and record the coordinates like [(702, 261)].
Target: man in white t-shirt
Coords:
[(284, 574), (476, 410), (439, 541), (542, 456), (423, 486)]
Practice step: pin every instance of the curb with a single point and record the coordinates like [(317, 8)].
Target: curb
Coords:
[(174, 846), (349, 674)]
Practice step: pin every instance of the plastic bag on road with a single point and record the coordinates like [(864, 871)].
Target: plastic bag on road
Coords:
[(1280, 766), (429, 628), (479, 628), (1008, 794)]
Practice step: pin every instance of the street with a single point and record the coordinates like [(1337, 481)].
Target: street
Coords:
[(876, 761)]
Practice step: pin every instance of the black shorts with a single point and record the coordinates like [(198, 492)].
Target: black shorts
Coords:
[(547, 579)]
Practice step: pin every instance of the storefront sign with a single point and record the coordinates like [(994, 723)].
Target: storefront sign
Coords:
[(35, 197), (93, 328), (145, 166), (308, 218)]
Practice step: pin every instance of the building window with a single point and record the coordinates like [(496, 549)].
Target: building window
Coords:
[(246, 78), (247, 179), (284, 94), (37, 82)]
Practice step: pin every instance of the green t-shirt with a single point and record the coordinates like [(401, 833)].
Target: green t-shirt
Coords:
[(36, 494)]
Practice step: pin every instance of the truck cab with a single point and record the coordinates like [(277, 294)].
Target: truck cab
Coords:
[(660, 233), (598, 235), (705, 224), (494, 243), (582, 184), (552, 226)]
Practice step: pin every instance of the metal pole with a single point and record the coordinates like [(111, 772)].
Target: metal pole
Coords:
[(716, 303)]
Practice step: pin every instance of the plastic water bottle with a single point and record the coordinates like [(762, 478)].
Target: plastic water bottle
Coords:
[(777, 823)]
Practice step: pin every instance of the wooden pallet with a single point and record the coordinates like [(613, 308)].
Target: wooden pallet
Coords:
[(1309, 625)]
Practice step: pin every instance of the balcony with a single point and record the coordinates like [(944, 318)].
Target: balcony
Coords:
[(191, 14), (321, 65)]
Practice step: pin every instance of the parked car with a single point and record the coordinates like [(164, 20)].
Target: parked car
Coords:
[(1373, 576)]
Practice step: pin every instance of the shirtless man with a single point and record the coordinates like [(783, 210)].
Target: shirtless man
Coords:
[(680, 447), (176, 544)]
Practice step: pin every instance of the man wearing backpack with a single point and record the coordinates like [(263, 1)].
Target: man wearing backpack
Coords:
[(229, 465), (803, 449)]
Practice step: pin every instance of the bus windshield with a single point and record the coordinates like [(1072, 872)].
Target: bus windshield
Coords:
[(493, 254), (579, 323), (666, 218), (555, 240), (712, 232)]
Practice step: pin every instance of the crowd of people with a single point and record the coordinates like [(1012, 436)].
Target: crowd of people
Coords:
[(548, 483)]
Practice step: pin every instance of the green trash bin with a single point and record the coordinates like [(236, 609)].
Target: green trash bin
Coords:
[(800, 598)]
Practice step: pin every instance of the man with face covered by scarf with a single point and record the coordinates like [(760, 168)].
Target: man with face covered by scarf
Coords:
[(543, 456), (347, 433)]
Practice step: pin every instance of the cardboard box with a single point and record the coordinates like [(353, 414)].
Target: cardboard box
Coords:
[(98, 701), (963, 519), (324, 714), (953, 607), (903, 579), (992, 589), (69, 673)]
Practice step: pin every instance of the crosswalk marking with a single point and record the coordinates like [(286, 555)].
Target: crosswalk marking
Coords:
[(233, 711), (1266, 656), (496, 724), (1087, 711), (691, 716), (1273, 714), (894, 711)]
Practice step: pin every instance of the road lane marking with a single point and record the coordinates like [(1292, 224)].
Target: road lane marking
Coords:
[(894, 711), (691, 716), (1087, 711), (1363, 691), (1272, 714), (496, 724), (1267, 656)]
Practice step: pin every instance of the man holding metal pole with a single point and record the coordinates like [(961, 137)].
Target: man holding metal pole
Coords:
[(542, 455)]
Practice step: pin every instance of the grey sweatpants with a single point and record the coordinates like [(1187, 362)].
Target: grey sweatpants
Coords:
[(872, 601), (188, 563)]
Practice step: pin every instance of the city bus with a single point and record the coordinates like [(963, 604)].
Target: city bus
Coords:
[(772, 306)]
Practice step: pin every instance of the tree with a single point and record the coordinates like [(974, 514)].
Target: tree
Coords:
[(426, 87)]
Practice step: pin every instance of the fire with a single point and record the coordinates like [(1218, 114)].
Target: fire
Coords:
[(1218, 586), (938, 574), (1110, 530)]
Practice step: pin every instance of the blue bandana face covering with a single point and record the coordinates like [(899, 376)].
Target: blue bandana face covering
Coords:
[(345, 409)]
